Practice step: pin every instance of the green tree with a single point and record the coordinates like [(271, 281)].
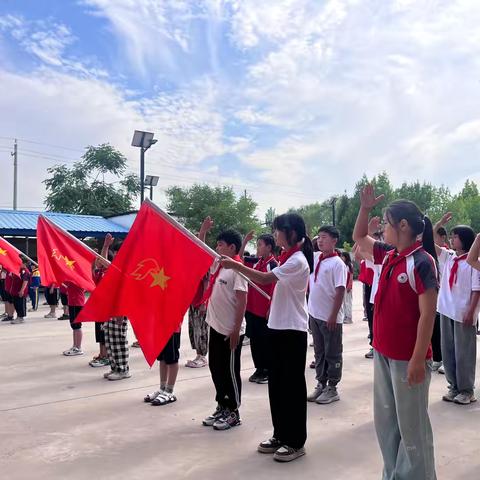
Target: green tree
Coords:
[(192, 204), (269, 218), (91, 185)]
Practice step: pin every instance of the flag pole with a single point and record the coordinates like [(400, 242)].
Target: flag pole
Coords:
[(20, 252), (201, 244), (103, 260)]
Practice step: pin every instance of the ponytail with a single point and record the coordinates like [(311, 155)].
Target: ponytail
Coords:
[(307, 250), (428, 239)]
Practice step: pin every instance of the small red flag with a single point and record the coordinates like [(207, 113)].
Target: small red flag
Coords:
[(152, 280), (9, 257), (61, 258)]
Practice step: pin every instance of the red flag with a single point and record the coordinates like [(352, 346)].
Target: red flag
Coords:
[(152, 280), (61, 258), (9, 257)]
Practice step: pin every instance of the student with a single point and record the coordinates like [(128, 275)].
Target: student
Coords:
[(348, 298), (35, 283), (116, 340), (458, 305), (76, 301), (287, 325), (19, 292), (325, 301), (258, 307), (168, 368), (9, 307), (227, 298), (405, 307), (51, 296), (3, 296), (64, 301), (198, 327), (366, 276)]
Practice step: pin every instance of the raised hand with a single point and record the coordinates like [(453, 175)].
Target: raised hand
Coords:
[(368, 200), (249, 236), (108, 240), (445, 218), (207, 225)]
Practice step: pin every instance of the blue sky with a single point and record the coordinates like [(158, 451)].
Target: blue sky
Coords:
[(292, 100)]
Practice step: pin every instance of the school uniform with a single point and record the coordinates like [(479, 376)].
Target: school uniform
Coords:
[(3, 276), (52, 297), (257, 311), (459, 342), (328, 274), (8, 287), (288, 323), (76, 301), (221, 315), (401, 416), (97, 275), (20, 302), (33, 288)]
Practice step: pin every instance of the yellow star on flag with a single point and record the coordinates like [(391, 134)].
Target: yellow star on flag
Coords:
[(69, 263), (160, 279), (3, 252)]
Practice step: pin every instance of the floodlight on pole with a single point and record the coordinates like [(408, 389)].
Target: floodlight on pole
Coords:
[(151, 181), (142, 140)]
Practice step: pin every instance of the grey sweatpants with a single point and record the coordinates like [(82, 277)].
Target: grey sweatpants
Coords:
[(459, 354), (401, 421), (328, 347)]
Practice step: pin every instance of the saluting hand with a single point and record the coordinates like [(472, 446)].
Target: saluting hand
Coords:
[(368, 200)]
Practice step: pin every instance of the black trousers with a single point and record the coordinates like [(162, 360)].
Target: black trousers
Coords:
[(257, 332), (367, 291), (287, 388), (225, 369), (20, 304), (437, 340)]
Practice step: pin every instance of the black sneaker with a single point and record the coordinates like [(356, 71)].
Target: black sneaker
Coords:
[(256, 375), (211, 419), (7, 319), (263, 377), (269, 446), (287, 454), (227, 420)]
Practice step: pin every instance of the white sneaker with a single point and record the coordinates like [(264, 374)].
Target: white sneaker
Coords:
[(119, 376), (312, 397), (465, 398), (107, 374), (441, 370), (50, 315), (17, 320), (436, 366), (72, 352)]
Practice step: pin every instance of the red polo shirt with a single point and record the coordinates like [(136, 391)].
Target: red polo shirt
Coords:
[(75, 295), (366, 274), (256, 302), (397, 312)]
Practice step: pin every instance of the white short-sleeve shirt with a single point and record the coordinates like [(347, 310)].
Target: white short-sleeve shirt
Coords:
[(454, 302), (332, 274), (377, 269), (288, 310), (222, 306)]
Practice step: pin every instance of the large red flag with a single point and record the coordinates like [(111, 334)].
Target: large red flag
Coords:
[(152, 280), (61, 258), (9, 257)]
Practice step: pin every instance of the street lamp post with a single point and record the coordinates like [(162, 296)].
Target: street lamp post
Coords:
[(143, 140), (150, 182)]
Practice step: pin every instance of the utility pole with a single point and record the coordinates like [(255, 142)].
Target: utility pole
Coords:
[(15, 173), (334, 201)]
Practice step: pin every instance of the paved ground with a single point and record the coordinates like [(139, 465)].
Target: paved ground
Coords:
[(60, 419)]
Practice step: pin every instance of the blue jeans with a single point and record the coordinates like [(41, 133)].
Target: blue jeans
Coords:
[(402, 423)]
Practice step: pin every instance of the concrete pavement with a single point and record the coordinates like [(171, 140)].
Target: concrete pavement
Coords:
[(60, 419)]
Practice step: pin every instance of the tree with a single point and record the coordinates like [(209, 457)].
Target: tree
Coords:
[(192, 204), (84, 189), (269, 218)]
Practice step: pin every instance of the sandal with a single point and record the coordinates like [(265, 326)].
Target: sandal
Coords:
[(199, 362), (164, 399), (152, 396)]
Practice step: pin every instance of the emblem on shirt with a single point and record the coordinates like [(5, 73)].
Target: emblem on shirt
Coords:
[(402, 278), (150, 267)]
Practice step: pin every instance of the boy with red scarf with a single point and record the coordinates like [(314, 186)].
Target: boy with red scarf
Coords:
[(227, 298), (258, 306), (327, 289)]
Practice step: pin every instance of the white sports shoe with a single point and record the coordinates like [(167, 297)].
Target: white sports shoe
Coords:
[(72, 352)]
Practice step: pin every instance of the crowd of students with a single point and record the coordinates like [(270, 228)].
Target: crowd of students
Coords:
[(421, 300)]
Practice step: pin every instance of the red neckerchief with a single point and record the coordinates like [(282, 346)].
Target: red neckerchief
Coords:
[(392, 259), (284, 256), (454, 271), (213, 279), (263, 262), (320, 260)]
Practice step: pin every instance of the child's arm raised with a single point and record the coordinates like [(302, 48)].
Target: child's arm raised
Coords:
[(368, 201), (436, 237), (248, 237), (207, 225), (474, 254)]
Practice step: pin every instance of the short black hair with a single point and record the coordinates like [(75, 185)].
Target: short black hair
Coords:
[(231, 237), (442, 231), (331, 230), (466, 236), (267, 239)]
